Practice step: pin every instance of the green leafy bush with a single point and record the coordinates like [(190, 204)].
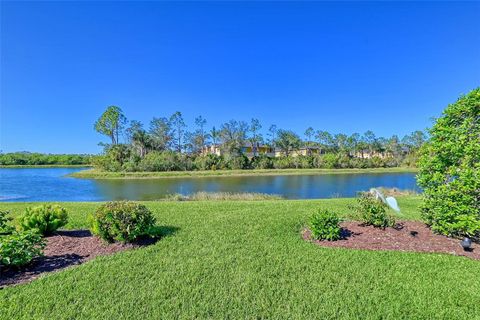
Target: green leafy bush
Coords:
[(325, 225), (5, 227), (373, 212), (122, 221), (262, 162), (19, 248), (450, 170), (45, 218)]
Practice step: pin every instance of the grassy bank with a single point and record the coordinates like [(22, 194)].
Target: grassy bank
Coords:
[(222, 196), (242, 259), (97, 174)]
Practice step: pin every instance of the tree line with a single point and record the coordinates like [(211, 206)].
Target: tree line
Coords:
[(167, 145), (33, 159)]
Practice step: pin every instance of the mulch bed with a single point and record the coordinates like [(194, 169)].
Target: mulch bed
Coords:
[(405, 236), (64, 249)]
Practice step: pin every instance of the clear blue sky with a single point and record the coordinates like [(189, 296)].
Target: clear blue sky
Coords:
[(342, 67)]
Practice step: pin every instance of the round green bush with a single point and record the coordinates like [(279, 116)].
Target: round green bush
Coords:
[(373, 212), (19, 248), (450, 170), (45, 218), (122, 221), (325, 225)]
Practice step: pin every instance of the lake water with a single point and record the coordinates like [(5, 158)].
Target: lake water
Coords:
[(52, 184)]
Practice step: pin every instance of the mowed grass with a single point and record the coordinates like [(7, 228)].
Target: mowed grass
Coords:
[(247, 260)]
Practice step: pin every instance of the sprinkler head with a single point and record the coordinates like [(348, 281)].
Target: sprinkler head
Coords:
[(466, 243)]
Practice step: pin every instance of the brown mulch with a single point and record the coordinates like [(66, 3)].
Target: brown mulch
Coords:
[(405, 236), (64, 249)]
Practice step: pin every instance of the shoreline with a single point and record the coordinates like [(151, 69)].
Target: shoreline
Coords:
[(97, 174)]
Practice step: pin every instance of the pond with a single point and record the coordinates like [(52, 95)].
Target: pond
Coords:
[(52, 184)]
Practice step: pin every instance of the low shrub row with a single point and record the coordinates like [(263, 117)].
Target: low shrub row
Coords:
[(120, 221)]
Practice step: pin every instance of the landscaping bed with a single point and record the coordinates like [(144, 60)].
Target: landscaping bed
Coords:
[(64, 249), (404, 236), (246, 259)]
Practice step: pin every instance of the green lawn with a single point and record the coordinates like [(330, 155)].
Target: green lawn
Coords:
[(246, 259), (98, 174)]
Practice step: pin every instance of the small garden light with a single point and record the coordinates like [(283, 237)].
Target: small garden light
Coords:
[(466, 244)]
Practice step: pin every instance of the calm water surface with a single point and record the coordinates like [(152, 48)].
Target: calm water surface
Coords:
[(51, 184)]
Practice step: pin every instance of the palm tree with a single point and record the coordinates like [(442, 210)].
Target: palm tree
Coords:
[(141, 142)]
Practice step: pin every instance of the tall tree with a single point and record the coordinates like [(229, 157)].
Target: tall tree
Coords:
[(272, 133), (178, 126), (161, 132), (202, 136), (309, 133), (195, 141), (341, 142), (214, 134), (393, 146), (414, 141), (134, 126), (111, 123), (233, 135), (370, 141), (325, 140), (353, 141), (288, 141), (255, 138)]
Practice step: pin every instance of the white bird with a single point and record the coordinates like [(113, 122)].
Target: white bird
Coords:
[(390, 201)]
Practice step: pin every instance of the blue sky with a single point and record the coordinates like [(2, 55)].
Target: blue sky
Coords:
[(341, 67)]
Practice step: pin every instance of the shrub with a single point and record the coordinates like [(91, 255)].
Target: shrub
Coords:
[(329, 161), (283, 162), (373, 212), (262, 162), (236, 162), (207, 162), (325, 225), (19, 248), (5, 227), (450, 170), (45, 218), (160, 161), (122, 221), (303, 162)]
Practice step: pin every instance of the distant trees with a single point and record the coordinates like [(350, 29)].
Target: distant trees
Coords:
[(168, 140), (31, 159)]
